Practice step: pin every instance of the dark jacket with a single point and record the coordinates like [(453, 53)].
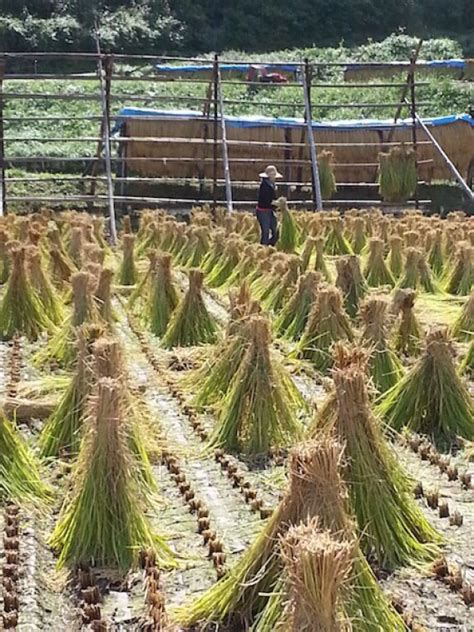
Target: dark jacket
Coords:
[(266, 194)]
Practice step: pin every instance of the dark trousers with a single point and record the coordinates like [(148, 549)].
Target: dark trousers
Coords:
[(268, 227)]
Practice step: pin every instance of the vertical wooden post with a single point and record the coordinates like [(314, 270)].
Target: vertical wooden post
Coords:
[(413, 120), (225, 153), (315, 183), (106, 142), (3, 190), (216, 135)]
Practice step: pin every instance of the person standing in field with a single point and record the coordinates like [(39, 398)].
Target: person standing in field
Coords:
[(266, 215)]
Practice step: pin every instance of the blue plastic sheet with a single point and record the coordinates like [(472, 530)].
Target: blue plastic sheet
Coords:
[(185, 68)]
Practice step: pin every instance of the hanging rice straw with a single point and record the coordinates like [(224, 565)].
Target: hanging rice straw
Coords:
[(327, 179), (397, 174)]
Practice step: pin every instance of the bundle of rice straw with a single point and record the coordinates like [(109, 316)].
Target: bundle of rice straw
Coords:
[(385, 369), (407, 335), (307, 252), (128, 271), (327, 323), (417, 274), (463, 327), (467, 364), (163, 297), (103, 295), (191, 324), (358, 235), (141, 292), (289, 234), (260, 409), (216, 251), (431, 398), (395, 257), (376, 271), (320, 262), (460, 277), (4, 257), (274, 300), (397, 174), (293, 317), (393, 529), (351, 283), (435, 254), (253, 590), (336, 243), (102, 521), (21, 310), (226, 265)]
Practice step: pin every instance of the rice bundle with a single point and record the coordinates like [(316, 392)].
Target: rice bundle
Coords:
[(395, 257), (191, 324), (358, 235), (385, 369), (245, 267), (320, 262), (376, 271), (269, 280), (103, 296), (277, 297), (215, 252), (393, 528), (460, 278), (327, 323), (75, 246), (20, 480), (141, 292), (308, 248), (62, 433), (431, 398), (260, 409), (336, 243), (252, 590), (4, 257), (52, 306), (128, 272), (397, 174), (289, 236), (61, 347), (463, 327), (163, 297), (407, 336), (417, 274), (61, 268), (467, 364), (103, 521), (292, 319), (351, 283), (151, 240), (21, 311), (327, 180), (435, 253), (226, 264)]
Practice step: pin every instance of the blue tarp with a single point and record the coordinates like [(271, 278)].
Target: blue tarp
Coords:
[(223, 67), (266, 121)]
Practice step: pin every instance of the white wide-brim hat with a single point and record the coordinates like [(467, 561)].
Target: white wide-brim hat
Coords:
[(270, 171)]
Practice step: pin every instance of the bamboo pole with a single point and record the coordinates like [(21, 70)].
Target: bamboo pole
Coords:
[(107, 153), (413, 117), (216, 135), (3, 204), (225, 154), (316, 185)]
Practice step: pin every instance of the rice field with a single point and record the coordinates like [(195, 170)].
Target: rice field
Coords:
[(202, 433)]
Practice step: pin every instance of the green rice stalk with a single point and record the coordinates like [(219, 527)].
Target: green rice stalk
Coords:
[(397, 174), (463, 327), (98, 227), (246, 266), (417, 274), (102, 520), (460, 278), (376, 271), (385, 368), (62, 433), (269, 279), (467, 364), (393, 529), (141, 292), (260, 410), (4, 258), (21, 311), (315, 489), (318, 566), (163, 297), (351, 283), (75, 247), (174, 237), (200, 248), (60, 349), (395, 256), (407, 335), (327, 179), (288, 239), (431, 398), (327, 324), (292, 319), (128, 271), (188, 246), (320, 262), (358, 235), (336, 243), (225, 267), (103, 296), (307, 252), (191, 324), (276, 299), (61, 269), (44, 386), (435, 253), (215, 253), (50, 302), (151, 241)]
